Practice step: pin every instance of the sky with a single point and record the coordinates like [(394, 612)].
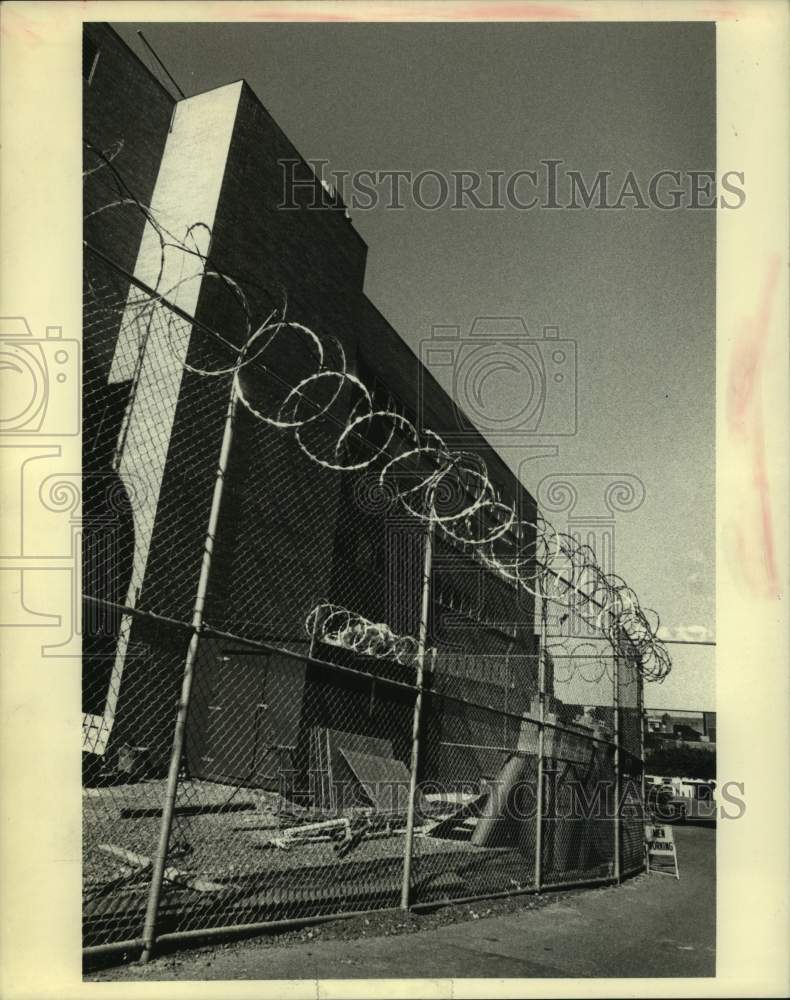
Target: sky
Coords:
[(633, 289)]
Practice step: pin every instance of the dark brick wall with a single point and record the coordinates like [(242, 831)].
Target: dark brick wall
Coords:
[(126, 114), (122, 103)]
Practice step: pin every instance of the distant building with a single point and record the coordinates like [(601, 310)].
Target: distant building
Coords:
[(692, 729)]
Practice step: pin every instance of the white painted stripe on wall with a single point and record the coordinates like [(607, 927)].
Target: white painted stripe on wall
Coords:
[(186, 194)]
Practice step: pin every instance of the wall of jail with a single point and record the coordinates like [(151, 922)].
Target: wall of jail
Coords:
[(126, 117), (289, 531)]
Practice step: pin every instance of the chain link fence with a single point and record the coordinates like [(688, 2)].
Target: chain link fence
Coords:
[(259, 747)]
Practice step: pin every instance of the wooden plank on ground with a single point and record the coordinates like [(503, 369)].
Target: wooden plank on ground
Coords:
[(141, 862)]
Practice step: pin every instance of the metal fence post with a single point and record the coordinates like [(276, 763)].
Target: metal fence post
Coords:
[(616, 707), (642, 726), (541, 730), (415, 732), (179, 732)]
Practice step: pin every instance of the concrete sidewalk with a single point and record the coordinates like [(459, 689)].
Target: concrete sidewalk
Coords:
[(649, 926)]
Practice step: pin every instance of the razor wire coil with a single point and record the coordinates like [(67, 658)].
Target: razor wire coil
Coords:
[(451, 489)]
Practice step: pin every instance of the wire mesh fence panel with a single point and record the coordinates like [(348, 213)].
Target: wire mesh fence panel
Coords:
[(148, 480), (346, 597), (293, 794), (478, 750), (124, 792), (632, 815), (631, 787), (307, 540), (579, 835), (630, 702), (578, 820), (478, 785)]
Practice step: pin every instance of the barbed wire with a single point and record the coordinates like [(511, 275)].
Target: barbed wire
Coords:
[(334, 625), (450, 489)]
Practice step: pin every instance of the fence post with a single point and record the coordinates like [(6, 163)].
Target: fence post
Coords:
[(642, 726), (179, 732), (415, 731), (543, 652), (616, 707)]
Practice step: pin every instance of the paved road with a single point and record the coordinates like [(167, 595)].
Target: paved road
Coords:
[(649, 926)]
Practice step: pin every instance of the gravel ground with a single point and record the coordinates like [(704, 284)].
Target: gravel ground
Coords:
[(222, 845), (648, 926), (244, 879)]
